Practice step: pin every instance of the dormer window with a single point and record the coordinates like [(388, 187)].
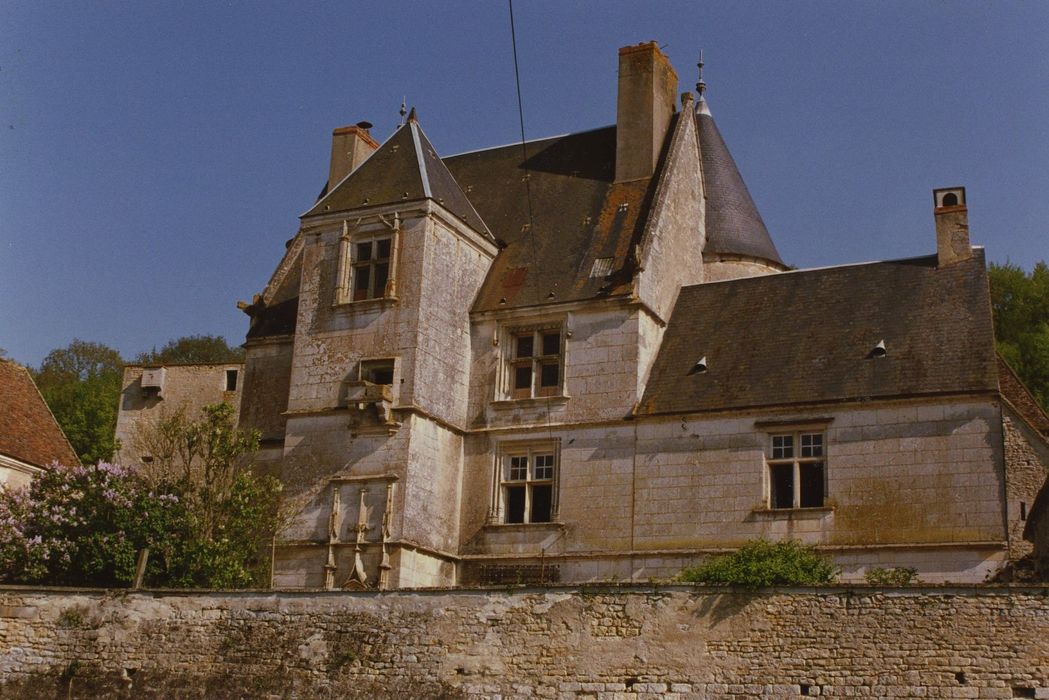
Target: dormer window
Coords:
[(536, 362), (366, 266), (371, 268)]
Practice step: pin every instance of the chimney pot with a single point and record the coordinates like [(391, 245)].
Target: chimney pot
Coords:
[(952, 225)]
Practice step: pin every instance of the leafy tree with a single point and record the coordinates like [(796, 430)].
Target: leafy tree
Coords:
[(81, 385), (192, 349), (1020, 302), (234, 510), (762, 563)]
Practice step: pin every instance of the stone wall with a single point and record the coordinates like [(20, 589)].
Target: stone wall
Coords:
[(1026, 469), (597, 643), (186, 387)]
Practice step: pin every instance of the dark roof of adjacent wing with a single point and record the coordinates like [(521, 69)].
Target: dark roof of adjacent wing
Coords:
[(278, 319), (28, 431), (555, 224), (806, 336), (733, 224)]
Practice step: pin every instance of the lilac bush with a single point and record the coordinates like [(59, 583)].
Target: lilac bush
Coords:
[(84, 526)]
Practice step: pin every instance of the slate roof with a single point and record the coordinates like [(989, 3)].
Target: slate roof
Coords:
[(733, 224), (805, 336), (278, 319), (28, 431), (578, 215), (1021, 399), (405, 168)]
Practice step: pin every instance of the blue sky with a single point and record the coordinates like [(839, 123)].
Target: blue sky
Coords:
[(155, 156)]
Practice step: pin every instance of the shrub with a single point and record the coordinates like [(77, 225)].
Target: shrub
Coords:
[(762, 563), (896, 576)]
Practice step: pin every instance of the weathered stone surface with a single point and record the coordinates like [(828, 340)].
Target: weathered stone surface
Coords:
[(669, 642)]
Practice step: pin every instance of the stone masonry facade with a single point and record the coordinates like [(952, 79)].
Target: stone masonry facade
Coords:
[(611, 643)]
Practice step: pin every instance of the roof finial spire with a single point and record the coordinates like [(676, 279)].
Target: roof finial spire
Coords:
[(404, 109), (701, 87)]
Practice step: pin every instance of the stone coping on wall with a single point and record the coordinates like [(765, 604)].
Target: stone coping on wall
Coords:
[(947, 589)]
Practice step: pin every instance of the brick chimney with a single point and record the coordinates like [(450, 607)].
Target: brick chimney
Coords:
[(647, 90), (952, 225), (350, 146)]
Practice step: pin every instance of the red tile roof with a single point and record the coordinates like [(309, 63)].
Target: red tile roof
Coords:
[(28, 431)]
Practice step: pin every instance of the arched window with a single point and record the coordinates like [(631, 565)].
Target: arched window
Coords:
[(950, 200)]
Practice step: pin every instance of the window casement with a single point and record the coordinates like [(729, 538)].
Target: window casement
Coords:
[(536, 362), (526, 485), (366, 266), (797, 470)]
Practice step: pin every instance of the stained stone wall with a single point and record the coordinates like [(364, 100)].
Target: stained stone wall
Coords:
[(601, 643)]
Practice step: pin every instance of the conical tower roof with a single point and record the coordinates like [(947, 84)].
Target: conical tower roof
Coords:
[(734, 226), (406, 168)]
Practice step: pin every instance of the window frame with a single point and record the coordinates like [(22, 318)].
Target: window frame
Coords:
[(533, 363), (776, 458), (350, 266), (506, 462)]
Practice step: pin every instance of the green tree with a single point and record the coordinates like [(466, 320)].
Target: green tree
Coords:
[(81, 385), (192, 349), (1020, 302), (234, 511), (762, 563)]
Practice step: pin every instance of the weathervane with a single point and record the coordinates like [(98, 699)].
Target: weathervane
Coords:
[(701, 87)]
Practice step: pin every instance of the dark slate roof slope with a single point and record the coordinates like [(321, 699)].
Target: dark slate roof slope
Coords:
[(578, 213), (733, 224), (28, 430), (806, 336), (405, 168)]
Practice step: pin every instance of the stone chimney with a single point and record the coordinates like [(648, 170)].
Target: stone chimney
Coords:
[(952, 225), (350, 146), (647, 90)]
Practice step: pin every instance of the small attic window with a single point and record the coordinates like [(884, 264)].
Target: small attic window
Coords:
[(602, 267), (878, 350), (700, 367)]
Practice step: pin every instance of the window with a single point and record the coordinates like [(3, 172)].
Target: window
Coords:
[(797, 476), (371, 268), (527, 485), (535, 363), (377, 371), (231, 380)]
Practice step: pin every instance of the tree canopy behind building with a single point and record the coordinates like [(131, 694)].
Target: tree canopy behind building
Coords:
[(192, 349), (1020, 302)]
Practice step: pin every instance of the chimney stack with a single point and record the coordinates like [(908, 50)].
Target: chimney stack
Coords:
[(350, 146), (952, 225), (647, 90)]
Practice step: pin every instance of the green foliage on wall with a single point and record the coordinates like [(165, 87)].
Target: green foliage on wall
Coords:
[(1020, 302), (762, 563)]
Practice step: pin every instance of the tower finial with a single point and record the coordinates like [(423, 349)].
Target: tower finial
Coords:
[(404, 108), (701, 87)]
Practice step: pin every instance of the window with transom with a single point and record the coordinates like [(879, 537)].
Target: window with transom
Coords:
[(797, 470), (536, 363), (371, 268), (527, 489)]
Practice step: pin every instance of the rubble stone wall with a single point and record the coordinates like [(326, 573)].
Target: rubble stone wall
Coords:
[(603, 643)]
